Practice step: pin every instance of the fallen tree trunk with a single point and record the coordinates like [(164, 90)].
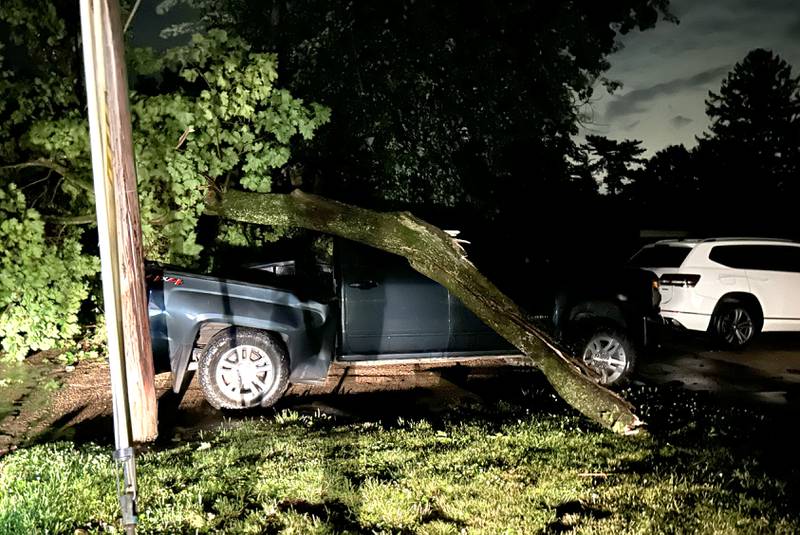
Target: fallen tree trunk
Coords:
[(435, 254)]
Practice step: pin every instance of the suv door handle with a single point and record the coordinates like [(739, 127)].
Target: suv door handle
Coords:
[(363, 285)]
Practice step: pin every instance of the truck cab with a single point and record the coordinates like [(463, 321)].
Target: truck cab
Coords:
[(249, 334)]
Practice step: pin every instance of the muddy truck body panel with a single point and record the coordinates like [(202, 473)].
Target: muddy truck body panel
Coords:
[(181, 304)]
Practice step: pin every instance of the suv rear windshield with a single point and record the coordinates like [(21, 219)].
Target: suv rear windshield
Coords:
[(669, 256)]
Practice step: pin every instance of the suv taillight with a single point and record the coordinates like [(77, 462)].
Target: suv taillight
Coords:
[(679, 279)]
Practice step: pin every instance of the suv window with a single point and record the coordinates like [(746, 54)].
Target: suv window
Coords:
[(760, 257), (669, 256)]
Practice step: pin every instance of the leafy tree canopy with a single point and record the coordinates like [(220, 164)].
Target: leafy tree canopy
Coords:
[(206, 117), (437, 103)]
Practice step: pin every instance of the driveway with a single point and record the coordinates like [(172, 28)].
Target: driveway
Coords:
[(767, 372)]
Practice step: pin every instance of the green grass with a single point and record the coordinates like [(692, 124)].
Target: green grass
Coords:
[(492, 468)]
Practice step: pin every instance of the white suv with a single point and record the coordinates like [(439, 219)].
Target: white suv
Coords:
[(731, 287)]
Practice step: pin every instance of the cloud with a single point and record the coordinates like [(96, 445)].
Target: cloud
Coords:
[(631, 126), (794, 29), (679, 121), (768, 5), (727, 22), (636, 101)]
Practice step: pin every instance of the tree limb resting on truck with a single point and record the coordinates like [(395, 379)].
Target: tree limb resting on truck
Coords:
[(438, 256)]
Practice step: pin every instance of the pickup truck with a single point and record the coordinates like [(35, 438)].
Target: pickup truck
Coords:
[(250, 335)]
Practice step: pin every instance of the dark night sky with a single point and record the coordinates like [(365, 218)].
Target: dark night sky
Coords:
[(147, 24), (667, 71)]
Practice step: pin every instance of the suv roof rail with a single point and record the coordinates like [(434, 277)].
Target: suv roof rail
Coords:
[(680, 240), (749, 238)]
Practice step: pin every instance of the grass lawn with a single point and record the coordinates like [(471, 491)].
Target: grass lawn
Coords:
[(529, 465)]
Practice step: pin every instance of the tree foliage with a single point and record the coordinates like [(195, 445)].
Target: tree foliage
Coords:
[(38, 65), (438, 104), (222, 124), (616, 163), (669, 178), (754, 135), (43, 280), (206, 116), (746, 163)]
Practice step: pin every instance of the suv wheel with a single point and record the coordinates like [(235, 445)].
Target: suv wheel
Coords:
[(609, 352), (734, 324), (242, 368)]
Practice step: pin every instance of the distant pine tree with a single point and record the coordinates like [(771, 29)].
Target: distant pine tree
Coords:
[(754, 134), (617, 163)]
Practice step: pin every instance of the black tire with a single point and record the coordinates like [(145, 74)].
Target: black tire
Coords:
[(609, 352), (735, 324), (242, 368)]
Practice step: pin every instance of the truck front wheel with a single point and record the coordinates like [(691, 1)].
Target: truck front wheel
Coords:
[(242, 368)]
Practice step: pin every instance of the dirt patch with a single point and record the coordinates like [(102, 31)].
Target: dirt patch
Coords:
[(52, 399), (81, 408)]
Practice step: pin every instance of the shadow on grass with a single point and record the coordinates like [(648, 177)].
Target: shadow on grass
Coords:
[(333, 512), (569, 514)]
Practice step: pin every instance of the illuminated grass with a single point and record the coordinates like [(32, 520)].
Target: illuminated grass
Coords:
[(488, 469)]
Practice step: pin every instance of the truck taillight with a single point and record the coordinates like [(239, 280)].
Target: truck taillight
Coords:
[(655, 294), (679, 279)]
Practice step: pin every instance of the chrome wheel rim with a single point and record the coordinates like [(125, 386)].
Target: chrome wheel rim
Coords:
[(245, 374), (736, 326), (605, 355)]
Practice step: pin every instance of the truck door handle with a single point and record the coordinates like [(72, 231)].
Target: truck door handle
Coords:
[(363, 285)]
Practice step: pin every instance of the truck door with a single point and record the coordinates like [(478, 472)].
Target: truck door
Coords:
[(469, 335), (388, 309)]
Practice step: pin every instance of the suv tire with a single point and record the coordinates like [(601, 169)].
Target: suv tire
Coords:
[(243, 368), (734, 324), (609, 352)]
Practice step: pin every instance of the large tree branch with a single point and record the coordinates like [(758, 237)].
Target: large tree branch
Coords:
[(83, 219), (433, 253)]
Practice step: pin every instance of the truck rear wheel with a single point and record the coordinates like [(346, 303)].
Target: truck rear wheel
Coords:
[(242, 368)]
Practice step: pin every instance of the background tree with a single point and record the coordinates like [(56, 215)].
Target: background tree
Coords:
[(668, 179), (616, 163), (436, 104), (750, 155)]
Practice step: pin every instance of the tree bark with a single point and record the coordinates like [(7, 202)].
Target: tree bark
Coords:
[(435, 254)]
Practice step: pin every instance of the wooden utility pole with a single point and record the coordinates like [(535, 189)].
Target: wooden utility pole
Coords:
[(124, 225), (119, 235)]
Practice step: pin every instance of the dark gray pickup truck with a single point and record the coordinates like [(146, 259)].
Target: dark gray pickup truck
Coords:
[(251, 335)]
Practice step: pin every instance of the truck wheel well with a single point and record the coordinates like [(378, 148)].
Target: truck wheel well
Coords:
[(210, 329), (597, 311), (207, 331)]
